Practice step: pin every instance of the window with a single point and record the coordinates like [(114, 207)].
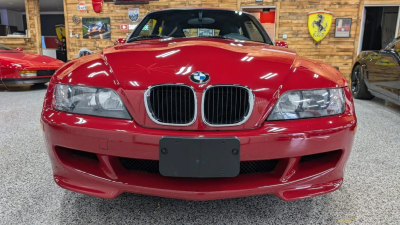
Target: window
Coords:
[(148, 28), (13, 19), (254, 34), (205, 23)]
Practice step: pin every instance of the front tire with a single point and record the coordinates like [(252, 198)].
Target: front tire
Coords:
[(358, 87)]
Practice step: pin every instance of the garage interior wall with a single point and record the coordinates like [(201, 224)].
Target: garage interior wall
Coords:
[(32, 43), (291, 20)]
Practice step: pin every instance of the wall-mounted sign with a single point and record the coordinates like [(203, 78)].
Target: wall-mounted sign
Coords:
[(97, 5), (319, 24), (82, 7), (96, 28), (124, 27), (76, 19), (60, 31), (343, 28), (133, 14)]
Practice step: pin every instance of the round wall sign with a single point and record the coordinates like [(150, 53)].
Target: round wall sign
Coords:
[(82, 7), (76, 19)]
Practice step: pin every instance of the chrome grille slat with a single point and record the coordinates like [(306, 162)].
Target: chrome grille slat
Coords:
[(165, 110), (226, 105)]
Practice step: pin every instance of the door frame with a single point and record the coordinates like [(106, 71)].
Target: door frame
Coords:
[(265, 7), (364, 15)]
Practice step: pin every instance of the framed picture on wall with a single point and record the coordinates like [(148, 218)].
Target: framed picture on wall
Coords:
[(343, 28), (96, 28)]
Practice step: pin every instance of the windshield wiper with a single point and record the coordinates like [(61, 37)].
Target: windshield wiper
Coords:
[(146, 37)]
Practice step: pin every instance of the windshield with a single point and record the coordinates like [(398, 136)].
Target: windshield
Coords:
[(4, 47), (207, 23)]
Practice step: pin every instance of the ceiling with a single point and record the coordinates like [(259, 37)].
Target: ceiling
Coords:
[(45, 5)]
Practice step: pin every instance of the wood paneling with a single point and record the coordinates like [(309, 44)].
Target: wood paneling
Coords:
[(292, 20)]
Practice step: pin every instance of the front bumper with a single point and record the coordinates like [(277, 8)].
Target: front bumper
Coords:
[(110, 139), (37, 80)]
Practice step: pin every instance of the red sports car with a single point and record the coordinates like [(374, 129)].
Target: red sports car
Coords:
[(17, 67), (224, 115)]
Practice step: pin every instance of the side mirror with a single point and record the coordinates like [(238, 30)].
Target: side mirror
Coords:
[(120, 41), (19, 49), (281, 44)]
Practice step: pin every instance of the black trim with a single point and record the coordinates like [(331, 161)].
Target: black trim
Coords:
[(25, 81)]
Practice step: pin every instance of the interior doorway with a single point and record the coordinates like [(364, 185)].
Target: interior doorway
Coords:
[(380, 25), (266, 15), (52, 23)]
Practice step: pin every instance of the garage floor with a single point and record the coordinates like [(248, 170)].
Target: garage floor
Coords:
[(28, 195)]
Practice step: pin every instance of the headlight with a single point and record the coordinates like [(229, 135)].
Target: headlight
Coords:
[(308, 104), (93, 101), (27, 73)]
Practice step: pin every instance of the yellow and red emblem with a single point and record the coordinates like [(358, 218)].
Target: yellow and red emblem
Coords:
[(319, 24)]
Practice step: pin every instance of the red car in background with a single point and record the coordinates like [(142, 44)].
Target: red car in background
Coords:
[(17, 67), (198, 104)]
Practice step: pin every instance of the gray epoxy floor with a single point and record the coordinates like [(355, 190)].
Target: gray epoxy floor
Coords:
[(28, 195)]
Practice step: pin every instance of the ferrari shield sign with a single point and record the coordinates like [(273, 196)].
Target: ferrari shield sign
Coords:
[(319, 24), (133, 14)]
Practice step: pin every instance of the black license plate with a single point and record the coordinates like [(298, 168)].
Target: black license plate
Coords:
[(199, 157)]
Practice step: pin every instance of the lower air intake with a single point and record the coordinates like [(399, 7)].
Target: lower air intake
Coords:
[(246, 167)]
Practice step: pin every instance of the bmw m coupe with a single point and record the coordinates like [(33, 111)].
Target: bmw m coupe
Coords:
[(198, 104)]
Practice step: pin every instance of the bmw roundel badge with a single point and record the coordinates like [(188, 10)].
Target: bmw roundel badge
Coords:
[(199, 77)]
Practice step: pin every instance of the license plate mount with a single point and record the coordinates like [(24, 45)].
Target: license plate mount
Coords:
[(199, 157)]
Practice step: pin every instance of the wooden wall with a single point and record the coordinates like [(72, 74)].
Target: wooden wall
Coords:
[(33, 43), (291, 20)]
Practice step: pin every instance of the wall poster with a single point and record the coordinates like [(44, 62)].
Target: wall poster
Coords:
[(96, 28), (343, 28)]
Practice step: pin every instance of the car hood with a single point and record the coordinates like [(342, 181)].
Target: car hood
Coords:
[(28, 61), (263, 68)]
